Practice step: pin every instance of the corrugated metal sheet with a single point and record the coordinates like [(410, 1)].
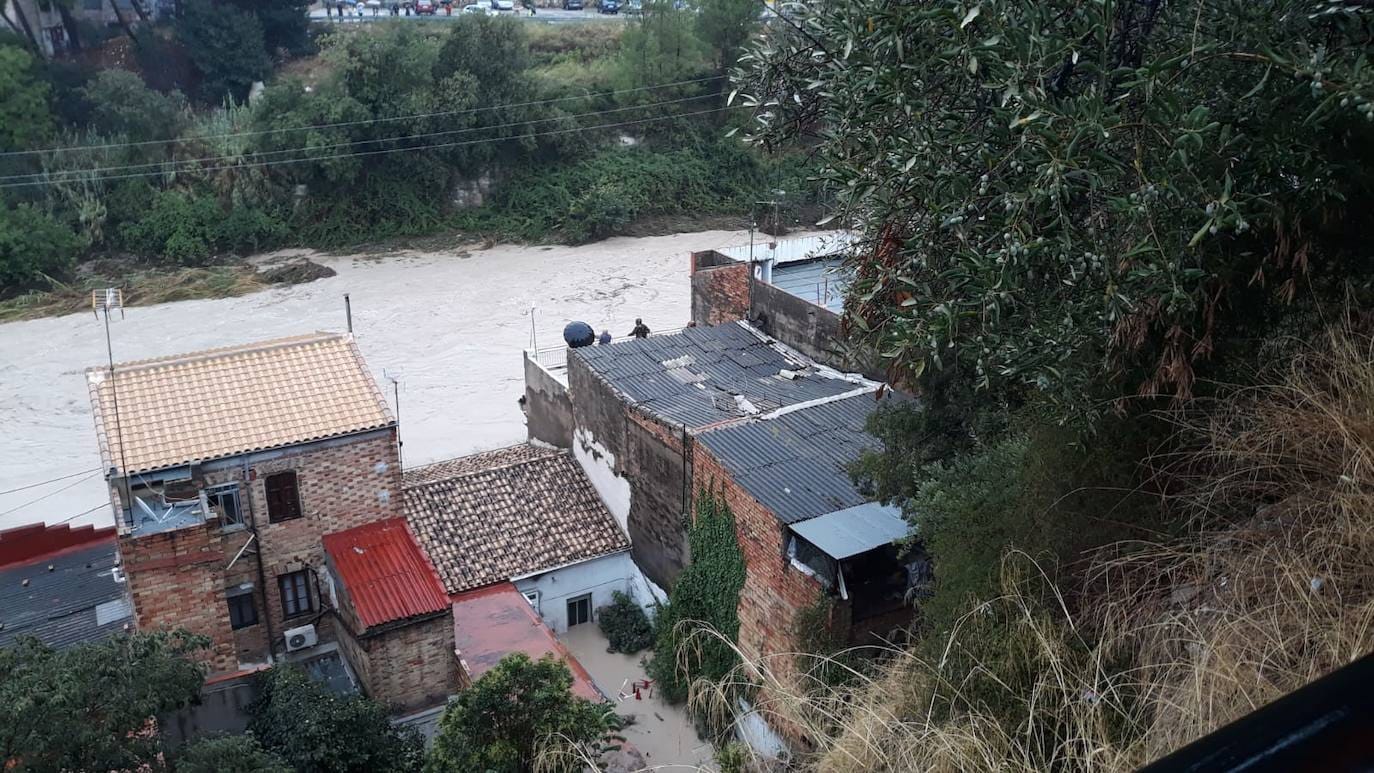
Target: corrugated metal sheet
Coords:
[(58, 604), (683, 377), (854, 530), (386, 574), (796, 464)]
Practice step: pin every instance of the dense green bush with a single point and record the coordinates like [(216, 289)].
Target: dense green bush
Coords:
[(25, 120), (520, 716), (316, 731), (187, 229), (119, 104), (228, 754), (33, 247), (703, 603), (626, 626)]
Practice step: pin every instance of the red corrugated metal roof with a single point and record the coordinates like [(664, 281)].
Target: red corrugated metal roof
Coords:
[(386, 574)]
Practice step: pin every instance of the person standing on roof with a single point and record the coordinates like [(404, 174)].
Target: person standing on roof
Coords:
[(605, 338), (641, 330)]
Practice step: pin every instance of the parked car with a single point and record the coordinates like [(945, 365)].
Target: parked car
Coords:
[(476, 8), (572, 5), (633, 6), (609, 6), (424, 7), (503, 5)]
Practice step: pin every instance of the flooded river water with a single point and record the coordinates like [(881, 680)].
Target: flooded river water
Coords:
[(449, 326)]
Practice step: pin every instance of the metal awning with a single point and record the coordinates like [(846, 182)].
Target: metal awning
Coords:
[(854, 530)]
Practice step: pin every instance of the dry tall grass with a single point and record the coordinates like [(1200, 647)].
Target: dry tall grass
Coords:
[(1274, 587)]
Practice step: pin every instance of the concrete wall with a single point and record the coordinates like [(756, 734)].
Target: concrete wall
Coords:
[(548, 409), (223, 708), (650, 456), (720, 288), (600, 577), (810, 329)]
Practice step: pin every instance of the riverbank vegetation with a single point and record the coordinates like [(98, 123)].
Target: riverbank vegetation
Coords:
[(366, 132), (1116, 249)]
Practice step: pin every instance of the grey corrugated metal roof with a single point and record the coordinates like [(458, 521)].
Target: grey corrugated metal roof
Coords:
[(796, 464), (58, 606), (854, 530), (692, 377)]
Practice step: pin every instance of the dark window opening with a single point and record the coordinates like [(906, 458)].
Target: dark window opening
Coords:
[(876, 582), (242, 611), (296, 599), (224, 500), (579, 610), (283, 497)]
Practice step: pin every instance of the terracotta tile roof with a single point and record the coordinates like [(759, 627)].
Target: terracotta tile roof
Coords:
[(504, 519), (225, 402), (386, 575), (465, 465)]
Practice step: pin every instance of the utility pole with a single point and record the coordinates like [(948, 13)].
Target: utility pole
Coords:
[(104, 301), (396, 397)]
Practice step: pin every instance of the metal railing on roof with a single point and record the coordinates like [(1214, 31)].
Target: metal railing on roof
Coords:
[(555, 358)]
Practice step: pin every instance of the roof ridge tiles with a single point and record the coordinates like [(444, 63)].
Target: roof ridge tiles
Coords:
[(186, 358)]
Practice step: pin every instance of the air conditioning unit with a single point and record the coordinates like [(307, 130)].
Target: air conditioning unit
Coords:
[(300, 638)]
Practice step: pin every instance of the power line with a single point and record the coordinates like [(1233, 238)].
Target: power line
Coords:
[(160, 166), (46, 482), (50, 493), (284, 162), (341, 124), (83, 512)]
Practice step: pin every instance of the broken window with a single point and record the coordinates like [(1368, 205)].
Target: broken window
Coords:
[(295, 593), (283, 497), (224, 500)]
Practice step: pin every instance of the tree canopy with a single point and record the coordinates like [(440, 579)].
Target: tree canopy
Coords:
[(316, 731), (89, 707), (521, 711), (25, 120), (1075, 203)]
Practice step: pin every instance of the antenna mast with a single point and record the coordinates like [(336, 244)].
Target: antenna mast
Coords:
[(104, 301)]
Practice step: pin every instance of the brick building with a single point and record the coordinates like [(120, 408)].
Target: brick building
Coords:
[(227, 468), (395, 622), (731, 411), (524, 548)]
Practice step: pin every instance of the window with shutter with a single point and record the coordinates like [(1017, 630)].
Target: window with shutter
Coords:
[(296, 598), (283, 497)]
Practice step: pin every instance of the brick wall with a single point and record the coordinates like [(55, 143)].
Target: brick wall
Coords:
[(176, 580), (408, 666), (342, 484), (720, 293), (774, 591)]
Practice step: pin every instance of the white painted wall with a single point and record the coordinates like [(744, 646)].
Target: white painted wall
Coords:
[(600, 577), (599, 465)]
